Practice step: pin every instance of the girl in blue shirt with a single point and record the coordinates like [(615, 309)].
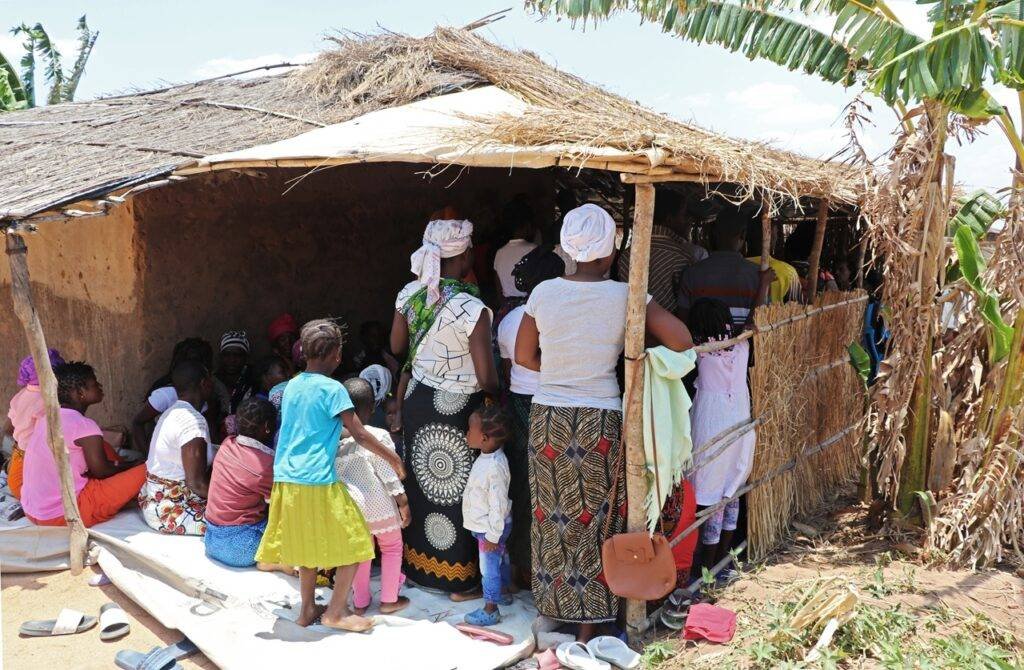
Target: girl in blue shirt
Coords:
[(313, 522)]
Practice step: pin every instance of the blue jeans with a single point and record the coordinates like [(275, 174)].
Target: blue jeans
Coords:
[(495, 569)]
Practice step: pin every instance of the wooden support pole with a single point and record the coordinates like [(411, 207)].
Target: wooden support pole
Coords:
[(21, 290), (633, 427), (766, 232), (814, 261)]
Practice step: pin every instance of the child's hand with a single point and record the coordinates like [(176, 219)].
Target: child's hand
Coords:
[(395, 421), (490, 547), (396, 463), (406, 516)]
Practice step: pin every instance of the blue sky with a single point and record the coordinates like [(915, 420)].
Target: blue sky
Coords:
[(144, 43)]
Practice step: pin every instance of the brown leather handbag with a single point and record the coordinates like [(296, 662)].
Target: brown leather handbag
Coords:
[(637, 566)]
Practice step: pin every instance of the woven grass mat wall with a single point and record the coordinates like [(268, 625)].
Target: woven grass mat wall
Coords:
[(806, 391)]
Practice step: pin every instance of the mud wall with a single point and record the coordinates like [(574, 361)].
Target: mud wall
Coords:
[(85, 280), (233, 250)]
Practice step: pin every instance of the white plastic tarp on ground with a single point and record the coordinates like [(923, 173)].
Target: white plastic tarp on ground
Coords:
[(420, 132), (244, 618)]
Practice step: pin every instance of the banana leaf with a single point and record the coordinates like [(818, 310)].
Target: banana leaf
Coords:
[(860, 360), (972, 266)]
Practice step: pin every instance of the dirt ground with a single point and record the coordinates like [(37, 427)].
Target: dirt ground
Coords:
[(971, 611), (42, 595)]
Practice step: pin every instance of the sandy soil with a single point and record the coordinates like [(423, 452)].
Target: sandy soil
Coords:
[(42, 595)]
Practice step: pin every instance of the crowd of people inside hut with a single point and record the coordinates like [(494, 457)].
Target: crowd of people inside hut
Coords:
[(478, 450)]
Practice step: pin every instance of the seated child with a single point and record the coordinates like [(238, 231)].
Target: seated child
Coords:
[(26, 408), (379, 493), (101, 486), (173, 499), (240, 481), (313, 521), (487, 509)]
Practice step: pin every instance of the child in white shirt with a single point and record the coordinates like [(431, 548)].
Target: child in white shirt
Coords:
[(486, 508)]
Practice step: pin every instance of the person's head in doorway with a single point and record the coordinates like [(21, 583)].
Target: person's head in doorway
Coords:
[(729, 232), (283, 332), (192, 382), (234, 353)]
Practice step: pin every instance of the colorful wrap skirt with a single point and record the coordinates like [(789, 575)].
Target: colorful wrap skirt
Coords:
[(574, 455), (171, 507)]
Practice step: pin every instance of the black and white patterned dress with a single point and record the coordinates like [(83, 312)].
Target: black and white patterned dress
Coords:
[(439, 552)]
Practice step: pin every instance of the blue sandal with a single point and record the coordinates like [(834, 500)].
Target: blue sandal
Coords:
[(481, 617)]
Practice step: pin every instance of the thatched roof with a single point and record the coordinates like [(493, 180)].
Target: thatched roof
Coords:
[(57, 155)]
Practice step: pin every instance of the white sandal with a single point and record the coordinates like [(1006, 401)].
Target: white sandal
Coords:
[(614, 651), (576, 656)]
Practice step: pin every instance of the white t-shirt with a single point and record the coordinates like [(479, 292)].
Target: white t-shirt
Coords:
[(443, 361), (522, 380), (180, 424), (505, 260), (162, 398), (582, 329)]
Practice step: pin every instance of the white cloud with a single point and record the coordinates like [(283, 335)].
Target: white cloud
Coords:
[(774, 105), (216, 67)]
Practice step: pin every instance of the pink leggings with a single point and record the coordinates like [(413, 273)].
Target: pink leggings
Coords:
[(391, 577)]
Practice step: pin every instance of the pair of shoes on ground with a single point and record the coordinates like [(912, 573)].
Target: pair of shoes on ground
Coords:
[(113, 622), (600, 653)]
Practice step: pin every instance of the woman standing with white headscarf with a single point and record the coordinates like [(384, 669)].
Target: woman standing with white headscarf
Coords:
[(445, 331), (579, 323)]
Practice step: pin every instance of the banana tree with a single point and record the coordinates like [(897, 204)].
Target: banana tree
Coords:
[(62, 84), (972, 45)]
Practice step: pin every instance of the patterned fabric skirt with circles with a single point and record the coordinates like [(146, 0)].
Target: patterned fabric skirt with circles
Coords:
[(574, 452), (439, 553)]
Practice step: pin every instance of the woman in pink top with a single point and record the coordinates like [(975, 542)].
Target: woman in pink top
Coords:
[(102, 487), (26, 408)]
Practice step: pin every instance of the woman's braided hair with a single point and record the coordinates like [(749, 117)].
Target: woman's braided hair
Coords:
[(495, 422), (319, 337)]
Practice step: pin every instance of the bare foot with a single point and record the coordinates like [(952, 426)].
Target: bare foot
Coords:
[(586, 632), (352, 623), (472, 594), (310, 614), (512, 588), (360, 610), (397, 606), (277, 567)]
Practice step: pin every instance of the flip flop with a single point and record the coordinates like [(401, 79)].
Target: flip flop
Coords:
[(114, 623), (614, 651), (485, 634), (67, 622), (576, 656), (156, 658)]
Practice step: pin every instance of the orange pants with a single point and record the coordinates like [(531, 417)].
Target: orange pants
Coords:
[(101, 499), (16, 472)]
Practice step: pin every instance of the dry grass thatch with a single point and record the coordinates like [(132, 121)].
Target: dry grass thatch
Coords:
[(57, 155), (806, 392)]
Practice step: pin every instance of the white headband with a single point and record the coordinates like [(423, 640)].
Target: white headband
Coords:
[(588, 233), (442, 239)]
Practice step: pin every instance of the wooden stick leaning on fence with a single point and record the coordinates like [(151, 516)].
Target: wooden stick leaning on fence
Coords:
[(814, 262), (633, 427), (21, 291), (792, 463)]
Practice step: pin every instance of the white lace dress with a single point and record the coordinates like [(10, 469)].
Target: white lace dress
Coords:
[(722, 400)]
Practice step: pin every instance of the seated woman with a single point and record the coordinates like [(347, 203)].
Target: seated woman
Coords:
[(101, 486), (26, 409), (240, 483), (162, 394), (283, 333), (173, 499)]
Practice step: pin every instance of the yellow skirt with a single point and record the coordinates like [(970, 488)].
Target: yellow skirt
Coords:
[(314, 526)]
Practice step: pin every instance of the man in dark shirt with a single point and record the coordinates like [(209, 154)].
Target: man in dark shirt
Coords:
[(725, 274)]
